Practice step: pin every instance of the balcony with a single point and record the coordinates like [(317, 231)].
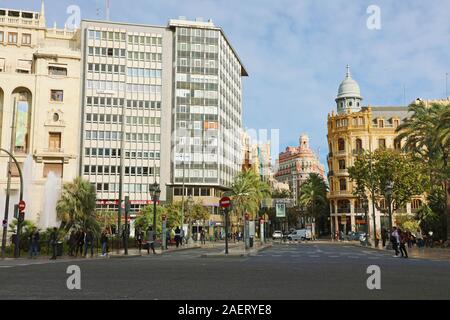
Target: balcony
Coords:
[(53, 150)]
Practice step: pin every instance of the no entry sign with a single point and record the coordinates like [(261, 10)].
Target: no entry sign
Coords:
[(21, 206), (225, 202)]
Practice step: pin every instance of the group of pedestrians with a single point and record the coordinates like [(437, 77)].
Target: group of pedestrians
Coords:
[(80, 241), (399, 240)]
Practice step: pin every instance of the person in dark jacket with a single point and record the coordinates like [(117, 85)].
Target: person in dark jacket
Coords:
[(139, 239), (34, 243), (53, 242), (177, 236), (89, 243), (104, 241), (80, 242), (72, 243), (151, 237)]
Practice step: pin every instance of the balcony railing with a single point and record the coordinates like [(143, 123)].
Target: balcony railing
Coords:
[(53, 150)]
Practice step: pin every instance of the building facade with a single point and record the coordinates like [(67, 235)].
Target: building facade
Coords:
[(166, 102), (40, 90), (295, 165), (127, 92), (351, 130)]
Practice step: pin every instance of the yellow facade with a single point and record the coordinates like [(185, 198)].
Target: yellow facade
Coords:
[(40, 83)]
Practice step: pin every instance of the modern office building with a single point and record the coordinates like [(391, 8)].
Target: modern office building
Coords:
[(127, 103), (40, 90), (351, 130), (177, 91)]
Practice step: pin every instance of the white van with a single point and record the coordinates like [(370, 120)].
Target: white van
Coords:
[(301, 234)]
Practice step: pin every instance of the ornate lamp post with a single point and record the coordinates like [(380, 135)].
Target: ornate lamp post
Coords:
[(155, 192)]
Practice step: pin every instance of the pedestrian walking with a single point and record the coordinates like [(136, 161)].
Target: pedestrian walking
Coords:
[(410, 239), (72, 242), (80, 242), (53, 242), (151, 237), (104, 241), (419, 239), (182, 237), (177, 236), (139, 239), (384, 234), (403, 243), (203, 237), (88, 243), (34, 242), (395, 240)]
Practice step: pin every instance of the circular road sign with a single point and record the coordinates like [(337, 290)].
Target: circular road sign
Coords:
[(225, 202), (21, 205)]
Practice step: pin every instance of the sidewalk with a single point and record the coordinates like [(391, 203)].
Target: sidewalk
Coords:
[(414, 252)]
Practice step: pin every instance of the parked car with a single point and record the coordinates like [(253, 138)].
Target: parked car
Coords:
[(301, 234), (277, 235), (356, 236)]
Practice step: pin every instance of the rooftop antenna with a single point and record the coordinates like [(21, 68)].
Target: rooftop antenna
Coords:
[(107, 9)]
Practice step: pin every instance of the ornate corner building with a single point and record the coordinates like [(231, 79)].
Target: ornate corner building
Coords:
[(352, 129)]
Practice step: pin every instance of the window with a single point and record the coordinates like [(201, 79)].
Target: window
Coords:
[(54, 141), (341, 164), (359, 146), (56, 168), (2, 36), (396, 123), (56, 95), (59, 71), (397, 144), (341, 144), (342, 184), (381, 123), (382, 143), (2, 64), (12, 37), (110, 52), (26, 38), (24, 66)]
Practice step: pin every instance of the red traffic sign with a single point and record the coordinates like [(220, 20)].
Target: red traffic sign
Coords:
[(247, 216), (163, 217), (21, 205), (225, 202)]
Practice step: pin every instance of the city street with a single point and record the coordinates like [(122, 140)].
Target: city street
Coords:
[(317, 270)]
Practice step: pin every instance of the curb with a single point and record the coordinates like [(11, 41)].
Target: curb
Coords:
[(235, 255), (181, 249), (115, 256)]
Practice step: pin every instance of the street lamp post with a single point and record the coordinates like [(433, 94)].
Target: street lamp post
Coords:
[(190, 204), (155, 192)]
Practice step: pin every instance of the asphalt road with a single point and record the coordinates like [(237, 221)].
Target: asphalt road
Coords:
[(300, 271)]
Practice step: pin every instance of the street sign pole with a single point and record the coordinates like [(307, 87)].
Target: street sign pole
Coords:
[(225, 203), (226, 230)]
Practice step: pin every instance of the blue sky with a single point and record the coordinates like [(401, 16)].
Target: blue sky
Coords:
[(296, 51)]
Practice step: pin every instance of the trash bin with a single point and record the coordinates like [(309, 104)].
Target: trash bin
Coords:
[(251, 242), (59, 248)]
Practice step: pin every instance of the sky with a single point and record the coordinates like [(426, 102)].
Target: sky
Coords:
[(296, 51)]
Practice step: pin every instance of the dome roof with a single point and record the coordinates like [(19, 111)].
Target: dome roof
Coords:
[(349, 87)]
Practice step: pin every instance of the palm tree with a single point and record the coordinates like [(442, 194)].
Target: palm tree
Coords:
[(76, 208), (427, 136), (313, 195), (247, 192)]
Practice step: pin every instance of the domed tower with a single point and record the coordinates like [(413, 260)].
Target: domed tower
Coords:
[(349, 95), (304, 142)]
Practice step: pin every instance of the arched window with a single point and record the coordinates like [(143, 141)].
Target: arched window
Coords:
[(22, 108), (343, 184), (359, 145), (341, 144)]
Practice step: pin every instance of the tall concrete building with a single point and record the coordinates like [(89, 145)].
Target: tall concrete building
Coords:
[(167, 102), (40, 90), (127, 93), (351, 130)]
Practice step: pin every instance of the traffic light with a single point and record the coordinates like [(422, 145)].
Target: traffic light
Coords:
[(16, 211), (21, 216)]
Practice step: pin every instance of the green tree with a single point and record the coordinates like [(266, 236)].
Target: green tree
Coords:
[(145, 218), (313, 198), (247, 192), (76, 207), (372, 171), (427, 136)]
